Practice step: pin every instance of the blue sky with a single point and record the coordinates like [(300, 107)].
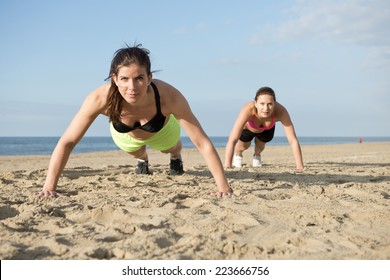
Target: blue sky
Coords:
[(328, 61)]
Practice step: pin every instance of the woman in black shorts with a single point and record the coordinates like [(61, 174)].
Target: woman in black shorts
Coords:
[(257, 120)]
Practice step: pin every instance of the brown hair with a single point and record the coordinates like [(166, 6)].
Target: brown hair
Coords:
[(265, 91), (124, 57)]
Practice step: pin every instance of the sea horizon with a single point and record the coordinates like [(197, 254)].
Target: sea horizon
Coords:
[(42, 145)]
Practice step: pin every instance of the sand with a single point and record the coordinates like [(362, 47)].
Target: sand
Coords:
[(339, 208)]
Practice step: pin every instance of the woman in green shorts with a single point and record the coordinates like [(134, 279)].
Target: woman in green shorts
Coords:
[(142, 112)]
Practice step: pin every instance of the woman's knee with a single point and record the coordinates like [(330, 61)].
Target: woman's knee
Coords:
[(242, 146), (260, 145), (175, 149), (139, 153)]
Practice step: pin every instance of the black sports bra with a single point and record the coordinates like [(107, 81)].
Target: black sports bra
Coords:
[(154, 125)]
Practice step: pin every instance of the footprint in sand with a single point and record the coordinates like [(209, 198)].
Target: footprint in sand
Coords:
[(7, 212)]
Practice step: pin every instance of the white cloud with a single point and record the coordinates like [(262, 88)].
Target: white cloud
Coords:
[(353, 21)]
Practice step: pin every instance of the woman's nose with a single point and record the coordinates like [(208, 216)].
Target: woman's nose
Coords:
[(131, 85)]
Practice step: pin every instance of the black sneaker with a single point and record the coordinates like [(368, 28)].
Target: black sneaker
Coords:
[(176, 167), (142, 167)]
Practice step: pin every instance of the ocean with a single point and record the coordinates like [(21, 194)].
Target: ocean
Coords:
[(10, 146)]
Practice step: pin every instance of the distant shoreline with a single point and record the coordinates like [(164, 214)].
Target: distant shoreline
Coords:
[(272, 154), (12, 146)]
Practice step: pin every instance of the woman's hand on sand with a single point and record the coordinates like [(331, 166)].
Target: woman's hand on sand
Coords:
[(222, 194), (228, 166), (44, 193)]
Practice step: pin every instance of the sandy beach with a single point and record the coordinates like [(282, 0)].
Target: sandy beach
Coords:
[(338, 209)]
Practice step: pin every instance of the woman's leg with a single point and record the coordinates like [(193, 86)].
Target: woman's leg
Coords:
[(175, 151), (259, 146), (140, 154), (238, 150), (142, 160), (176, 164), (241, 147)]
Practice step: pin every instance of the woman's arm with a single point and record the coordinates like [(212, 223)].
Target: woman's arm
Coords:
[(236, 132), (93, 105), (183, 113), (289, 130)]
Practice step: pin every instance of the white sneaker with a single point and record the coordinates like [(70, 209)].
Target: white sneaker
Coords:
[(256, 161), (237, 161)]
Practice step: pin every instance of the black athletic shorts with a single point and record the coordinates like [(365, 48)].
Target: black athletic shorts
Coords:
[(265, 136)]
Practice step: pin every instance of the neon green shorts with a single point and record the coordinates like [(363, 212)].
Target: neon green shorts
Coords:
[(163, 140)]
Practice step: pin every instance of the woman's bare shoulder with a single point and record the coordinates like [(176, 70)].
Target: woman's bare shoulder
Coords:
[(279, 108), (98, 97), (248, 107), (164, 87), (101, 92), (280, 112), (168, 93)]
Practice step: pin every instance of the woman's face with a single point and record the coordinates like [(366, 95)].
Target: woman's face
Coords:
[(132, 82), (265, 105)]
